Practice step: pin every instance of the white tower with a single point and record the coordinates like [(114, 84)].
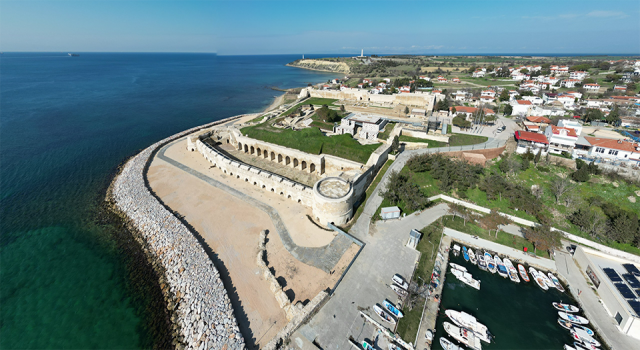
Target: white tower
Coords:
[(362, 53)]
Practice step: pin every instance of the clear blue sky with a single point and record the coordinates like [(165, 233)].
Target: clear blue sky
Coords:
[(301, 26)]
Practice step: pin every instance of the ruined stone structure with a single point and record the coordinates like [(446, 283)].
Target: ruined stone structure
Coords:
[(422, 100), (331, 199)]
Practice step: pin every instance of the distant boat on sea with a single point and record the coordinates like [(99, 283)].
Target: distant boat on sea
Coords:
[(74, 55)]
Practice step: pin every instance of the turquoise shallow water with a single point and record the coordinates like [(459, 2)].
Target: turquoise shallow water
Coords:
[(69, 276), (520, 315)]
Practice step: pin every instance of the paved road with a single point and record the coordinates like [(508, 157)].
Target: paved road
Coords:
[(595, 312), (324, 258)]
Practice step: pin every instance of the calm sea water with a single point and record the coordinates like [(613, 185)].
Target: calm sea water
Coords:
[(65, 124), (519, 315)]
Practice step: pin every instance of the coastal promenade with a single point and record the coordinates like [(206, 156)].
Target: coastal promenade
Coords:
[(197, 302)]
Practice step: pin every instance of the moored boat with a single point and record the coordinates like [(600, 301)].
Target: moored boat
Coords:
[(536, 277), (556, 282), (463, 335), (565, 307), (588, 330), (523, 273), (448, 344), (401, 292), (457, 267), (573, 318), (583, 346), (502, 270), (465, 253), (466, 278), (582, 336), (513, 273), (392, 309), (482, 264), (565, 324), (456, 250), (383, 314), (464, 320), (399, 280), (472, 256), (546, 280), (491, 264), (568, 347)]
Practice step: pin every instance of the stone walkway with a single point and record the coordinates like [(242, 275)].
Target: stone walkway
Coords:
[(324, 258)]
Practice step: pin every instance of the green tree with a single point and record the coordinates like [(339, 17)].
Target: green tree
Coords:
[(406, 110), (461, 122), (494, 220), (592, 114), (542, 237), (613, 117), (395, 144), (536, 158), (508, 109), (581, 175), (453, 110), (504, 95), (342, 109)]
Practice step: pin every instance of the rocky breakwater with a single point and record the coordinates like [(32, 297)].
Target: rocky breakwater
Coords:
[(199, 307)]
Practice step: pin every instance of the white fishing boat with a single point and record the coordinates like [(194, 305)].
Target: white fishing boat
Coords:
[(582, 336), (589, 331), (448, 344), (456, 250), (536, 277), (513, 273), (482, 264), (556, 282), (464, 320), (523, 273), (565, 307), (472, 256), (502, 270), (463, 335), (491, 264), (383, 314), (466, 278), (568, 347), (565, 324), (457, 267), (392, 309), (401, 292), (546, 279), (583, 346), (573, 318), (399, 280)]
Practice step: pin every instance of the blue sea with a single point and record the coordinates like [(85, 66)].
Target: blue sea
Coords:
[(70, 276)]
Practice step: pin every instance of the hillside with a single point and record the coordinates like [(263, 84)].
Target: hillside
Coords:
[(321, 65)]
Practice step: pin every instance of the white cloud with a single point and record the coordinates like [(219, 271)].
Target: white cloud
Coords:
[(606, 14)]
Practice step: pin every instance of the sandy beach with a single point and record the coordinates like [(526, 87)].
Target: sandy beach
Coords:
[(276, 102)]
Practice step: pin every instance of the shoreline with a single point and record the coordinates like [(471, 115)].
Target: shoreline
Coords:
[(197, 302), (318, 70), (277, 102)]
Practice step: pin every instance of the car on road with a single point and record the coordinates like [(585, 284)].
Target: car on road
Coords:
[(501, 129)]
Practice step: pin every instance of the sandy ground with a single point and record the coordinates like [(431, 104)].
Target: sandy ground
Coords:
[(231, 228), (276, 102), (601, 132)]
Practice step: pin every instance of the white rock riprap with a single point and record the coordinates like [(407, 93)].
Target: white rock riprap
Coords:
[(199, 307)]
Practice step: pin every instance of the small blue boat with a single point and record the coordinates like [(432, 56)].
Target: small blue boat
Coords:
[(392, 308), (465, 254), (491, 265)]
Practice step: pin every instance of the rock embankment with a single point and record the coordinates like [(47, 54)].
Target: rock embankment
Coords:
[(321, 65), (200, 310)]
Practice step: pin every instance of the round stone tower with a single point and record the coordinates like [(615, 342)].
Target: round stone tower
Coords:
[(333, 201)]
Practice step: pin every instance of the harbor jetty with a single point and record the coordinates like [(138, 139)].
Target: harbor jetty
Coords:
[(198, 305)]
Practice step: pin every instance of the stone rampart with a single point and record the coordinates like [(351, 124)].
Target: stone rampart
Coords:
[(256, 176), (425, 100), (199, 307)]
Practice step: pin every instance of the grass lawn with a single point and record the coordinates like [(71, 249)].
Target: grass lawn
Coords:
[(432, 143), (428, 185), (368, 193), (313, 101), (312, 140), (466, 140), (428, 246), (387, 131)]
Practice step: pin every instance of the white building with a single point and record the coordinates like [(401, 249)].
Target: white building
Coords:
[(535, 100), (573, 124), (521, 107), (369, 125), (591, 87), (568, 101), (613, 149), (560, 139), (580, 75), (490, 93), (569, 83), (531, 141), (478, 74)]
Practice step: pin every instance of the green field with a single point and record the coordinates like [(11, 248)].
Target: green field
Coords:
[(312, 140), (466, 140), (432, 143), (387, 131), (311, 101)]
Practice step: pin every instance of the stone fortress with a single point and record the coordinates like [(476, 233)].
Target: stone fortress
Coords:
[(420, 99), (332, 198)]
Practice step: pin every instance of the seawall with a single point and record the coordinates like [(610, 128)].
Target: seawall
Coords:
[(198, 305)]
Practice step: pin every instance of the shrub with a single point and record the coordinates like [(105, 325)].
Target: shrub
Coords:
[(581, 175)]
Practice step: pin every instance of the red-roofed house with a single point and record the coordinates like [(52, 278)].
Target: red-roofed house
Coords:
[(488, 93), (569, 83), (486, 99), (560, 139), (455, 80), (442, 79), (613, 149), (539, 120), (521, 107), (468, 111), (621, 88), (591, 87), (533, 141)]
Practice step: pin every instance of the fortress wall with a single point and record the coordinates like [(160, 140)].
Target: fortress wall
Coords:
[(335, 164), (256, 176), (424, 100), (197, 302), (306, 162)]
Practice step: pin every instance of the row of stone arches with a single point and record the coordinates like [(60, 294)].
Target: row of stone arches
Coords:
[(279, 158)]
